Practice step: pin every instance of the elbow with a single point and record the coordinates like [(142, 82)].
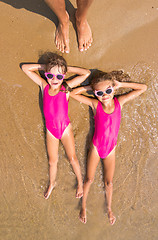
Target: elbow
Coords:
[(72, 93), (88, 72), (23, 67), (144, 87)]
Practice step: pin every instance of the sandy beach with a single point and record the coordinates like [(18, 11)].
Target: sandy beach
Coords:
[(125, 37)]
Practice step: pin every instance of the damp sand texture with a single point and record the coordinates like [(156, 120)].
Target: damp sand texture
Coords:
[(125, 37)]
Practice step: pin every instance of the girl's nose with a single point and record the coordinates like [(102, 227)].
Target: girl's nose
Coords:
[(55, 77)]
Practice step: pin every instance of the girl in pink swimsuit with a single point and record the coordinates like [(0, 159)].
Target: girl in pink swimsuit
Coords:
[(107, 116), (55, 108)]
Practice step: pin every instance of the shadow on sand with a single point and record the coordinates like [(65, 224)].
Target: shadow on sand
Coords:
[(41, 8)]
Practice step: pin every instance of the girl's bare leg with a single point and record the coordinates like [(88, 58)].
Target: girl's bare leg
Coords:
[(69, 145), (52, 148), (92, 162), (62, 31), (109, 168), (83, 28)]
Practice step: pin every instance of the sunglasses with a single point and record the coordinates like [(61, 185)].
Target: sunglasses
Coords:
[(100, 93), (51, 76)]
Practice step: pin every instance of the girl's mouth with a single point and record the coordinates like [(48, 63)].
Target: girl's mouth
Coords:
[(53, 83), (104, 99)]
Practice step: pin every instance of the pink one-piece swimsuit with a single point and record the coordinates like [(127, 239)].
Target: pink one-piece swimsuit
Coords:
[(106, 129), (55, 109)]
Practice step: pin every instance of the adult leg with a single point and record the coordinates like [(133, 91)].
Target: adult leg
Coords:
[(62, 31), (109, 168), (83, 28), (92, 162), (69, 145), (52, 149)]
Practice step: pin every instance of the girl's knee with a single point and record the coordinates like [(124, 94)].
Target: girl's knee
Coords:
[(53, 161), (108, 184), (89, 180), (73, 159)]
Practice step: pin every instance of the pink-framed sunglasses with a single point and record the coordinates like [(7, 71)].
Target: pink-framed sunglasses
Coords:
[(100, 93), (51, 76)]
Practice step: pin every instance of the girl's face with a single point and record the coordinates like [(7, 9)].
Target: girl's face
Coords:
[(55, 77), (104, 91)]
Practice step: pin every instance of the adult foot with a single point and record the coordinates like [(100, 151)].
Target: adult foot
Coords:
[(79, 192), (62, 35), (50, 188), (111, 217), (84, 34), (82, 216)]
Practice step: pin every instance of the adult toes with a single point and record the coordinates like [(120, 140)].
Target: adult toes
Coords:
[(57, 45), (81, 46), (62, 48), (67, 50), (85, 47), (89, 43)]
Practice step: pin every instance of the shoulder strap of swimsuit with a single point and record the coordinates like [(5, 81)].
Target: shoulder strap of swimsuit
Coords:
[(45, 89), (62, 88), (99, 107), (116, 101), (46, 86)]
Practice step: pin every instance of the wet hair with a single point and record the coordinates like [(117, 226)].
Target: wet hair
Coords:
[(52, 59), (100, 76)]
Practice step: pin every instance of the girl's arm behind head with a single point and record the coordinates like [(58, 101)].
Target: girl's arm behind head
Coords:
[(82, 75), (138, 89), (77, 94), (30, 70)]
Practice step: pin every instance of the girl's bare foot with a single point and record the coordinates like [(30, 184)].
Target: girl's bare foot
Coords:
[(79, 192), (111, 217), (62, 35), (84, 34), (82, 216), (50, 188)]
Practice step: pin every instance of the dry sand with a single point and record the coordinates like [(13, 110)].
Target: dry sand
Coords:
[(125, 37)]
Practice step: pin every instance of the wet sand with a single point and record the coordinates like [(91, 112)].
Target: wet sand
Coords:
[(125, 37)]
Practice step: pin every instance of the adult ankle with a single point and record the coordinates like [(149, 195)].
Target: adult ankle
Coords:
[(65, 19), (80, 18)]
